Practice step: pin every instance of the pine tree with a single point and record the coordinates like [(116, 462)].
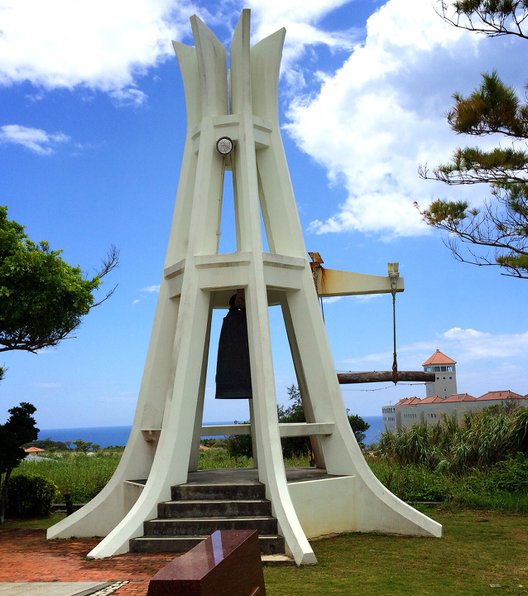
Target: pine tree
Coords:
[(18, 430), (497, 233)]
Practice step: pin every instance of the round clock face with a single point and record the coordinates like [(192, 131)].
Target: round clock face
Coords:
[(224, 145)]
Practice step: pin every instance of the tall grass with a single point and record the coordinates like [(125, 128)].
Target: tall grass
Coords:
[(220, 457), (480, 441), (84, 475), (79, 474)]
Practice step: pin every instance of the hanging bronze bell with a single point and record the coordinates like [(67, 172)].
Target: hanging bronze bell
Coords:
[(233, 372)]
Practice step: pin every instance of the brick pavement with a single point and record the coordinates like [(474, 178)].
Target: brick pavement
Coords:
[(26, 556)]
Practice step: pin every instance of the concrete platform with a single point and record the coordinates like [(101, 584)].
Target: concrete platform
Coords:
[(249, 476)]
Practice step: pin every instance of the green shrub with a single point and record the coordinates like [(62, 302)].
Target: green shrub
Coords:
[(512, 474), (509, 475), (239, 445), (520, 430), (500, 501), (502, 487), (413, 482), (220, 457), (30, 496)]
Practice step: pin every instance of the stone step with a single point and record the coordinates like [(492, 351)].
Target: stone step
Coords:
[(197, 510), (199, 526), (214, 508), (269, 545), (192, 492)]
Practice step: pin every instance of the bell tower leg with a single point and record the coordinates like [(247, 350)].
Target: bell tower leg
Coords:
[(247, 201)]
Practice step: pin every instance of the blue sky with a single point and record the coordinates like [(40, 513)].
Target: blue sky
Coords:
[(92, 126)]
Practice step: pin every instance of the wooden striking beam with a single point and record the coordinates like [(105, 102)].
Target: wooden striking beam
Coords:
[(383, 376)]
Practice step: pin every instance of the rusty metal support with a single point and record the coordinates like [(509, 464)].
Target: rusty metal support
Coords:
[(333, 282)]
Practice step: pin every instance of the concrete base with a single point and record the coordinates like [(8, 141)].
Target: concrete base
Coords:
[(324, 503)]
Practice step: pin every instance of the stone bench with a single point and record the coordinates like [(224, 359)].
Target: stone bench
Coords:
[(227, 563)]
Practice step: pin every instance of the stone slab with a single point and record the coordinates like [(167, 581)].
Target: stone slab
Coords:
[(55, 588), (226, 563)]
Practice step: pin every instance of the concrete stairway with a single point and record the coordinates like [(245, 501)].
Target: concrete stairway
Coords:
[(197, 510)]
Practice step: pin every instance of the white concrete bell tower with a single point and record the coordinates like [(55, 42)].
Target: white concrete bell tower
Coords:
[(163, 443)]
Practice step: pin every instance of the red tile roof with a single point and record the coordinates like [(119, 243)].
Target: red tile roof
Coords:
[(460, 397), (405, 401), (507, 394), (432, 399), (438, 358)]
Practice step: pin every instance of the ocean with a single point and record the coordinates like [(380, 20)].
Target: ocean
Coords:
[(376, 428), (112, 436)]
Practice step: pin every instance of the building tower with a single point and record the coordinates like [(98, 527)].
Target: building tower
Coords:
[(444, 369), (232, 123)]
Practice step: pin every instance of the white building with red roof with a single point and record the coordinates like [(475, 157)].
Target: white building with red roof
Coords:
[(443, 399), (444, 368)]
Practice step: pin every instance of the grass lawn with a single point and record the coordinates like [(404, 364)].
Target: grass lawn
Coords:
[(38, 523), (480, 553)]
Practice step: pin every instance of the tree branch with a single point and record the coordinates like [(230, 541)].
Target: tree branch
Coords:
[(494, 23), (110, 263)]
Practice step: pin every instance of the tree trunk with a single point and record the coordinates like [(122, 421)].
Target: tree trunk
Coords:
[(4, 483), (382, 376)]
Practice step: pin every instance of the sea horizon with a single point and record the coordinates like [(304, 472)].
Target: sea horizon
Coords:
[(117, 436)]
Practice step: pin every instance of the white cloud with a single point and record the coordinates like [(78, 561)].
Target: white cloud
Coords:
[(300, 18), (153, 289), (469, 347), (35, 139), (332, 300), (128, 97), (382, 114), (93, 43), (106, 46), (375, 361), (462, 335), (302, 21), (471, 344), (360, 298)]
